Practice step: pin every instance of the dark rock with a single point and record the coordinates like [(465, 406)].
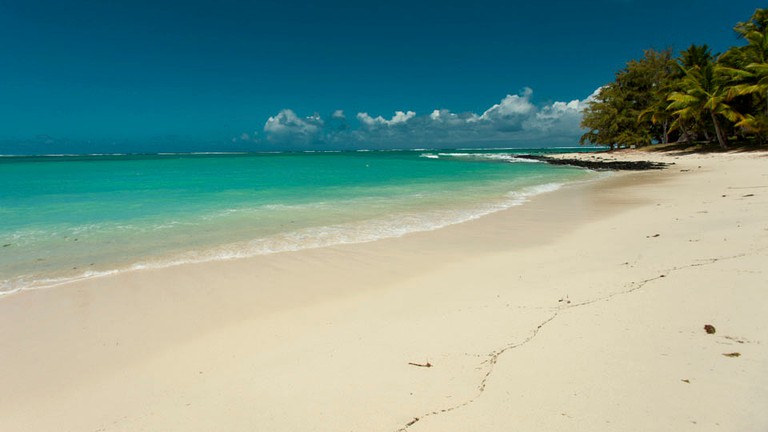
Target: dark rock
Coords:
[(599, 165), (709, 328)]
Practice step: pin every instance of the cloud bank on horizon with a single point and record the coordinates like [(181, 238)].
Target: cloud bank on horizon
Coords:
[(514, 121)]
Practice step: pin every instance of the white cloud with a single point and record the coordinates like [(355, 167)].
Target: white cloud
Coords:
[(445, 118), (402, 117), (515, 120), (366, 119), (286, 126), (398, 118), (592, 97), (511, 107), (559, 117)]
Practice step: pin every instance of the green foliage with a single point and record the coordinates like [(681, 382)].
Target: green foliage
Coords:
[(703, 92), (747, 70), (601, 117), (629, 111), (696, 55), (697, 96)]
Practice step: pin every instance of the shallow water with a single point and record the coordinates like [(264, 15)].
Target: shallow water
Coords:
[(69, 217)]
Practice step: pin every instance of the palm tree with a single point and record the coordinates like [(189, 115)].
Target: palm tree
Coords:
[(696, 55), (658, 69), (747, 69), (703, 93), (657, 114), (758, 22)]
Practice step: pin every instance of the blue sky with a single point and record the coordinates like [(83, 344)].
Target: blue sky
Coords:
[(126, 76)]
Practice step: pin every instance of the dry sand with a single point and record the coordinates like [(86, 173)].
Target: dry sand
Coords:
[(583, 310)]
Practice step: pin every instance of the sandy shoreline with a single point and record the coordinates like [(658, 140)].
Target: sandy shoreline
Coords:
[(581, 310)]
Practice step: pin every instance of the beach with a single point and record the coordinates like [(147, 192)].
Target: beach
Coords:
[(582, 310)]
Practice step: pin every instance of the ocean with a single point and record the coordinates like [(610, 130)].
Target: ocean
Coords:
[(68, 217)]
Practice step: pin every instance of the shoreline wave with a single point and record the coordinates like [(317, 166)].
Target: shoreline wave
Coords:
[(235, 153), (367, 231), (479, 156)]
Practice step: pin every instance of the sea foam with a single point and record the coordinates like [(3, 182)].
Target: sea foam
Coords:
[(85, 217), (395, 225)]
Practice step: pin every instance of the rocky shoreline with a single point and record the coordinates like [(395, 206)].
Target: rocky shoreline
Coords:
[(598, 163)]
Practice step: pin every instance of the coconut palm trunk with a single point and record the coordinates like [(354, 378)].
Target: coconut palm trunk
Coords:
[(721, 137)]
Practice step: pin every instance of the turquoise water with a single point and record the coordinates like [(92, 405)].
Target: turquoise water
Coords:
[(71, 217)]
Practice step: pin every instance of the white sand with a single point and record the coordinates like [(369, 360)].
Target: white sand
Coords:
[(567, 313)]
